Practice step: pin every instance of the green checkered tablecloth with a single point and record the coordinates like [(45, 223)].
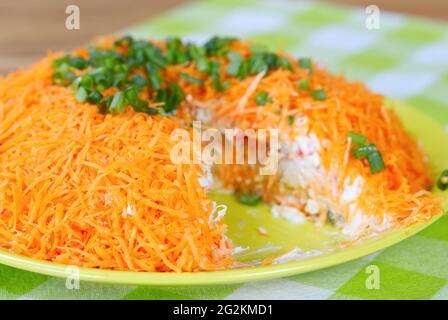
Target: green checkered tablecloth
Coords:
[(407, 59)]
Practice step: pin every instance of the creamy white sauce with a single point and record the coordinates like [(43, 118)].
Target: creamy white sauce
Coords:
[(292, 215), (352, 191), (218, 212), (303, 162), (361, 222), (312, 207)]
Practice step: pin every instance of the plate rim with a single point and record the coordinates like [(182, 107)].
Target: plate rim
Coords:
[(238, 275)]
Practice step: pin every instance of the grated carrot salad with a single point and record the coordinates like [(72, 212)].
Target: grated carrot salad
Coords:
[(82, 188)]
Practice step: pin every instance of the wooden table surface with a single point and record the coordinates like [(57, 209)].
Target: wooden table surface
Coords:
[(28, 28)]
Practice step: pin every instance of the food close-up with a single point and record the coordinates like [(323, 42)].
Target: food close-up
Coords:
[(224, 143)]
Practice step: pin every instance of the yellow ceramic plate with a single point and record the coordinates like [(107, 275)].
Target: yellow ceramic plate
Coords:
[(244, 230)]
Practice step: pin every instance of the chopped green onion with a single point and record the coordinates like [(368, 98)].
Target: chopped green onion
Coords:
[(261, 98), (234, 66), (78, 63), (119, 80), (154, 55), (376, 162), (218, 46), (56, 78), (104, 104), (94, 97), (57, 63), (138, 81), (271, 60), (155, 78), (257, 64), (118, 103), (303, 84), (171, 97), (177, 53), (199, 56), (244, 69), (357, 138), (363, 151), (122, 71), (142, 106), (81, 95), (283, 62), (306, 63), (124, 41), (69, 77), (249, 199), (215, 73), (319, 95), (291, 120), (203, 64), (131, 96), (442, 182), (369, 151), (191, 79), (86, 81)]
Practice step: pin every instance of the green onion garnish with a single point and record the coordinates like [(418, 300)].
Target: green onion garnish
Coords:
[(59, 62), (357, 138), (291, 120), (132, 96), (376, 162), (303, 84), (283, 62), (94, 97), (261, 98), (363, 151), (171, 97), (199, 56), (191, 79), (81, 95), (234, 63), (154, 76), (78, 63), (249, 199), (257, 64), (118, 103), (319, 95), (138, 81), (218, 46), (369, 151), (215, 74), (124, 41), (154, 55), (442, 182), (140, 68), (177, 53), (306, 63), (104, 104)]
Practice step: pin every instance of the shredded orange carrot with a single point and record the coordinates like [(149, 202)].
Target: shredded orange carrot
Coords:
[(98, 191)]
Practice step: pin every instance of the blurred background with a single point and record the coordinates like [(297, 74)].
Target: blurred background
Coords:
[(29, 28)]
